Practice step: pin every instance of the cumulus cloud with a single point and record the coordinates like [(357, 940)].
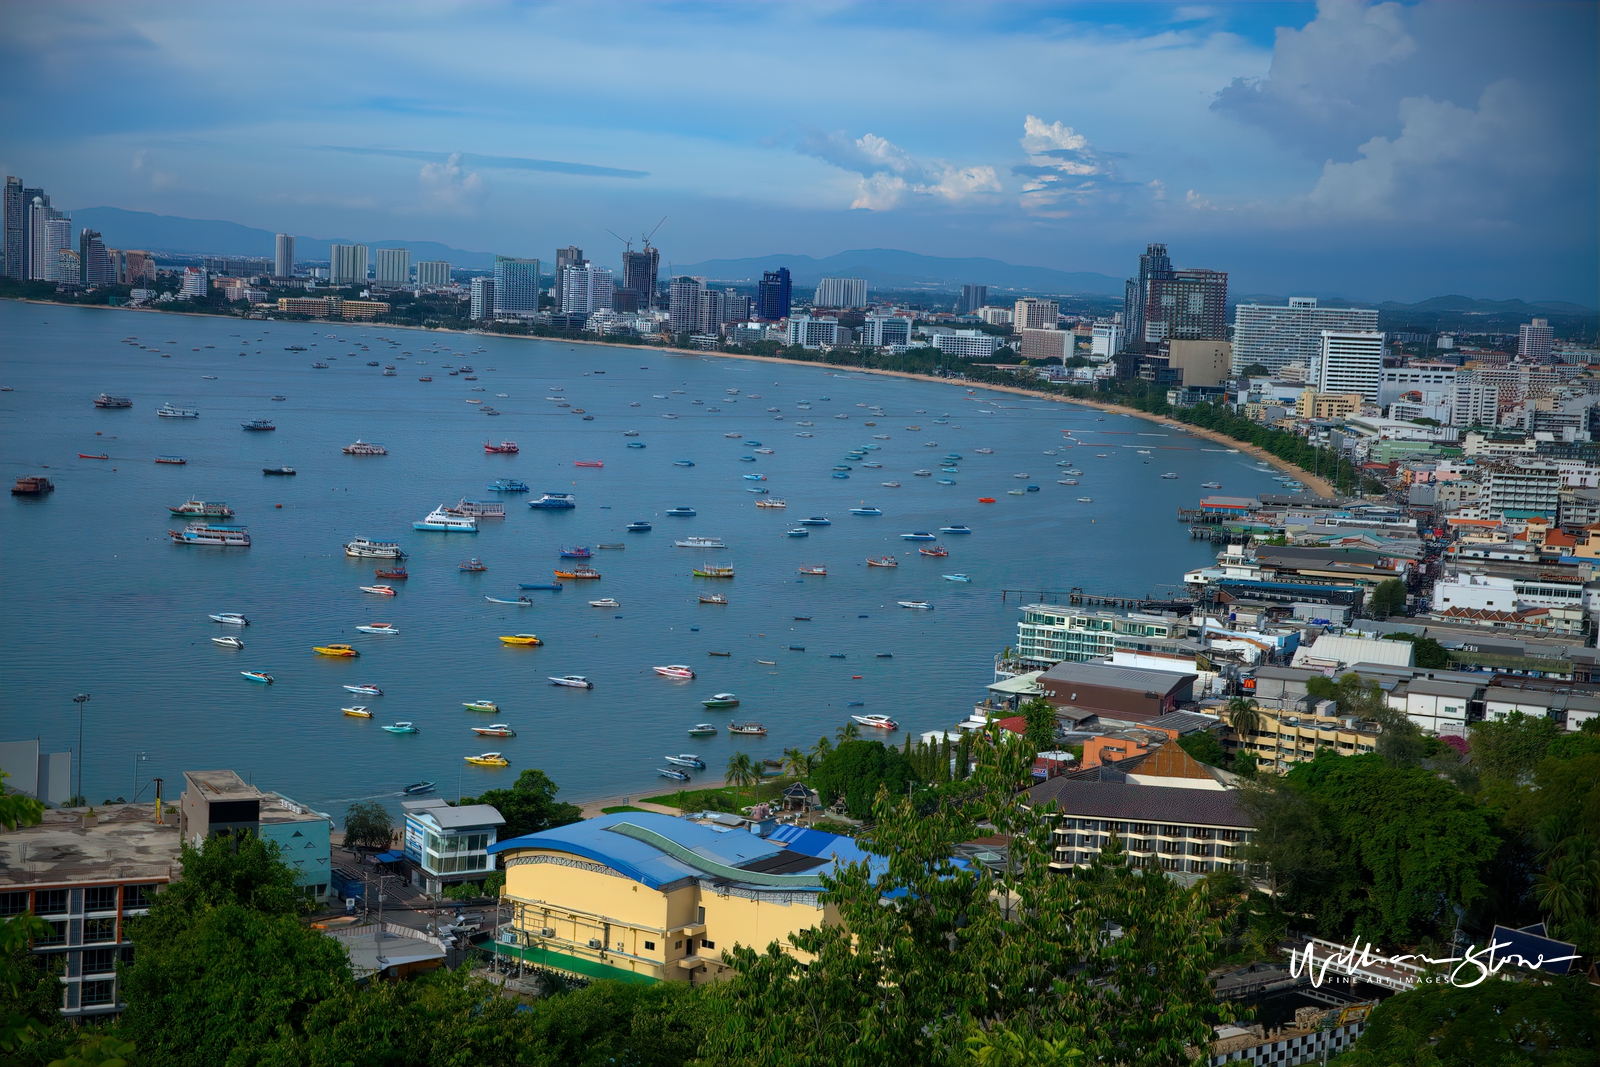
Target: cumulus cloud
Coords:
[(1063, 170), (450, 184), (888, 174)]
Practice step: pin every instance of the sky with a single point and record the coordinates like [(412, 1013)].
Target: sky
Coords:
[(1375, 151)]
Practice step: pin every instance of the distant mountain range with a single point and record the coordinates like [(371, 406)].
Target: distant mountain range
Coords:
[(888, 268)]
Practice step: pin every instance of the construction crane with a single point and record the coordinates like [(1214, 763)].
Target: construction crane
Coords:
[(652, 233), (627, 241)]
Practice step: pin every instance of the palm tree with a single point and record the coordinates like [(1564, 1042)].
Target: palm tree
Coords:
[(796, 763), (741, 771), (847, 732), (820, 750), (1244, 715)]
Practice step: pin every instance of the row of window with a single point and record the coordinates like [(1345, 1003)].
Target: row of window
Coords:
[(59, 901), (1146, 844), (1199, 833), (1165, 863)]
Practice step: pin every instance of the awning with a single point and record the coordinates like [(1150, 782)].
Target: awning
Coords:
[(1019, 685), (394, 855)]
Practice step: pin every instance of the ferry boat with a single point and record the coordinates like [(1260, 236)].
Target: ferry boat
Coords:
[(701, 542), (579, 573), (202, 533), (230, 618), (200, 509), (404, 726), (176, 461), (554, 500), (228, 642), (572, 681), (605, 602), (257, 676), (481, 705), (916, 605), (443, 520), (498, 729), (378, 590), (357, 711), (478, 509), (713, 571), (29, 485), (866, 511), (508, 485), (702, 729), (817, 520), (364, 448), (336, 651), (877, 722), (365, 690), (713, 598), (955, 529), (528, 640), (576, 552), (721, 700), (258, 425), (283, 471), (639, 527), (106, 400), (817, 570), (674, 670), (504, 447), (686, 759), (771, 504), (167, 411), (681, 511), (919, 535), (473, 565), (938, 551), (883, 561), (488, 759), (751, 729), (375, 549)]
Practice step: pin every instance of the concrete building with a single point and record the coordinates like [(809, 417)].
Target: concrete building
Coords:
[(1284, 738), (1534, 339), (1186, 833), (516, 287), (332, 307), (772, 295), (1567, 707), (1350, 361), (220, 802), (433, 274), (394, 268), (585, 289), (639, 271), (94, 264), (1275, 336), (1424, 378), (812, 332), (841, 293), (1031, 313), (1185, 305), (445, 845), (1207, 362), (1106, 341), (967, 344), (1314, 405), (992, 316), (1048, 634), (881, 331), (347, 264), (86, 876), (1121, 694), (973, 297), (194, 284), (686, 297), (45, 776), (1153, 264), (1525, 488), (1047, 344), (283, 256), (1441, 706), (14, 232), (482, 296)]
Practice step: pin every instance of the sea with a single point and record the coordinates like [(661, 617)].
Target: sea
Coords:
[(98, 600)]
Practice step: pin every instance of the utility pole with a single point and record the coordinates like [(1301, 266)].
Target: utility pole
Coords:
[(81, 699), (138, 757)]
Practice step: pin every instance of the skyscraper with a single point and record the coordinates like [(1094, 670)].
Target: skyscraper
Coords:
[(432, 273), (735, 306), (973, 297), (13, 262), (55, 237), (639, 271), (94, 265), (570, 256), (1136, 293), (347, 264), (394, 267), (772, 295), (516, 287), (283, 260), (841, 293), (685, 297), (482, 299), (585, 289), (1031, 313), (1275, 336), (1534, 339), (1351, 362), (1185, 305)]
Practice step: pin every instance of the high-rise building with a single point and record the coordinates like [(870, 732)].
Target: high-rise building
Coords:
[(235, 266), (94, 265), (1351, 361), (56, 238), (1185, 305), (570, 256), (347, 264), (841, 293), (41, 253), (194, 283), (482, 299), (1106, 341), (283, 256), (433, 273), (139, 267), (1276, 336), (881, 331), (711, 318), (13, 261), (393, 267), (1136, 293), (772, 295), (1534, 339), (1032, 313), (809, 332), (735, 306), (65, 270), (685, 297), (516, 287), (639, 270), (585, 288), (973, 297)]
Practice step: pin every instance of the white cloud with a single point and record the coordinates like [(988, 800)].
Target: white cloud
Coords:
[(889, 174), (1063, 169), (450, 185)]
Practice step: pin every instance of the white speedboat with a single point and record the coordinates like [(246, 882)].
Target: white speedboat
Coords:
[(575, 681), (378, 628), (447, 521), (228, 642), (701, 542), (605, 602), (877, 722), (365, 690), (675, 670), (230, 618), (1086, 500), (918, 605)]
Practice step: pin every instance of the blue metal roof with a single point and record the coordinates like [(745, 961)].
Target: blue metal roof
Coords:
[(819, 844)]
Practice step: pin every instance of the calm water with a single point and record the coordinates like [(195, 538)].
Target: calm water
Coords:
[(98, 600)]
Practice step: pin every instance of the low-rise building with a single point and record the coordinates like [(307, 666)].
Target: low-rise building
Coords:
[(1187, 833), (1120, 694), (1050, 633), (331, 307), (220, 802), (1568, 707), (1281, 739), (445, 844)]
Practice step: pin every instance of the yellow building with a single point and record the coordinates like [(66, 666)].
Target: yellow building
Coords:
[(331, 307), (642, 897), (1284, 739), (1314, 405)]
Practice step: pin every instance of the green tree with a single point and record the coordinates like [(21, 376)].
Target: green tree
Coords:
[(1514, 1024), (796, 763), (1204, 747), (847, 732), (1255, 370), (529, 806), (1041, 718), (1388, 598), (855, 771), (1507, 750), (740, 772), (1429, 654), (367, 825)]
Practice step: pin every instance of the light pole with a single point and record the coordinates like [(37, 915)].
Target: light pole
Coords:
[(138, 758), (81, 699)]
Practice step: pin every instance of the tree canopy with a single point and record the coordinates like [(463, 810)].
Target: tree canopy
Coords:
[(367, 825), (854, 770), (529, 806)]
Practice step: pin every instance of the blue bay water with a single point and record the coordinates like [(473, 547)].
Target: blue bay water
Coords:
[(97, 599)]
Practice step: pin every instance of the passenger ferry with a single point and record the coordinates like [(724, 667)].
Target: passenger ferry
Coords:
[(479, 509), (444, 520), (201, 509), (554, 500), (105, 400), (365, 448), (258, 425), (701, 542), (502, 447), (363, 548), (167, 411), (203, 533)]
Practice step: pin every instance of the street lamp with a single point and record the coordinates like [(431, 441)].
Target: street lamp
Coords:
[(81, 699), (138, 758)]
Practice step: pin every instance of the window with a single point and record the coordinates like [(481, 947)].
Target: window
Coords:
[(57, 935), (100, 898), (98, 992), (649, 946), (50, 902), (707, 944), (702, 917), (678, 945), (138, 896), (99, 930), (99, 960), (13, 903)]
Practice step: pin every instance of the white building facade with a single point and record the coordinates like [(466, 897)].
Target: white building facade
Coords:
[(394, 267), (1275, 336), (809, 332), (433, 273), (967, 344), (516, 287), (841, 293), (1350, 361), (585, 289), (347, 264)]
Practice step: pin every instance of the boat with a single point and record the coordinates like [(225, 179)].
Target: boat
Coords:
[(713, 598), (378, 628), (176, 461), (228, 642), (365, 690), (866, 511), (701, 542), (735, 436), (504, 447), (843, 466), (361, 547), (763, 451), (105, 400), (986, 500), (530, 640), (258, 676), (481, 705), (923, 474), (277, 398), (630, 433), (799, 531), (681, 511), (201, 533), (520, 602), (877, 722), (572, 681), (797, 648), (840, 474), (1211, 485), (336, 651), (918, 535), (818, 571), (1170, 475), (686, 759), (230, 618), (817, 520), (402, 727), (417, 788), (576, 552), (771, 504), (555, 501), (751, 729), (478, 509), (498, 729), (916, 605), (767, 662), (258, 425), (702, 729), (587, 462), (201, 509), (1030, 488), (719, 654), (425, 378), (946, 481), (883, 561), (668, 772), (1013, 492), (712, 570), (984, 451), (1066, 481), (891, 485), (956, 578), (442, 520), (683, 463), (398, 574), (579, 573), (473, 565), (488, 759), (635, 444), (365, 448), (167, 411), (550, 586), (357, 711), (936, 551), (1086, 500), (508, 485), (755, 477), (674, 670), (605, 602), (264, 470), (319, 365), (378, 590)]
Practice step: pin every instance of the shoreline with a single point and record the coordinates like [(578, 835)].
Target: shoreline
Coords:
[(1317, 484)]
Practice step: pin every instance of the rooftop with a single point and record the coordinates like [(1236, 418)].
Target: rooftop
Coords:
[(1106, 674), (460, 817), (1141, 803), (223, 786), (122, 843), (374, 948)]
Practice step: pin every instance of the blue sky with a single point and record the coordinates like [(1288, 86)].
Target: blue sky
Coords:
[(1376, 151)]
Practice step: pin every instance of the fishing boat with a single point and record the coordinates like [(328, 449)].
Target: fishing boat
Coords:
[(364, 690), (683, 463), (481, 705), (503, 448), (548, 586), (750, 729), (817, 520), (877, 722), (771, 504), (572, 681), (398, 574), (378, 590), (105, 400), (883, 561), (579, 573), (891, 485), (442, 520), (702, 729), (755, 477), (639, 527), (956, 578), (916, 605), (358, 711), (365, 549), (202, 509), (473, 565), (586, 462), (378, 628), (99, 455), (712, 570), (402, 727), (686, 759), (674, 670), (174, 461), (799, 531), (866, 511), (258, 425), (285, 471), (668, 772), (498, 729), (984, 451), (257, 676), (520, 639), (201, 533), (605, 602), (488, 759), (701, 542), (719, 654), (364, 448), (1211, 485), (555, 501), (681, 511), (167, 411), (576, 552), (923, 474), (520, 602), (337, 651), (936, 550), (230, 618), (228, 642), (418, 788), (713, 598), (919, 535), (508, 485), (721, 700), (818, 571)]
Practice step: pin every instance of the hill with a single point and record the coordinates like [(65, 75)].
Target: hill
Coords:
[(888, 268)]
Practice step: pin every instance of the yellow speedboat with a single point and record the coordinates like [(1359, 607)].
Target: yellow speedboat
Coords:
[(520, 639), (489, 759), (335, 650), (357, 712), (482, 705)]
